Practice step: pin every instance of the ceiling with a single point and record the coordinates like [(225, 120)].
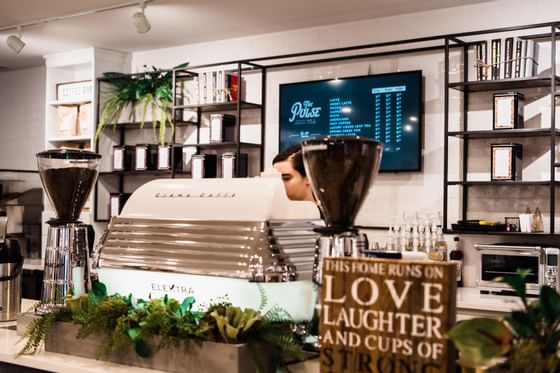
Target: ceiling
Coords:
[(177, 22)]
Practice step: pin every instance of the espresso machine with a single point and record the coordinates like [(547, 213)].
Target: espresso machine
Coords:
[(211, 238), (68, 177), (341, 170)]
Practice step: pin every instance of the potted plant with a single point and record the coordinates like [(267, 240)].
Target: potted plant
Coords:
[(152, 91), (120, 324), (526, 341)]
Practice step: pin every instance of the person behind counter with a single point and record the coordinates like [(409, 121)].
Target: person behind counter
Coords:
[(289, 163)]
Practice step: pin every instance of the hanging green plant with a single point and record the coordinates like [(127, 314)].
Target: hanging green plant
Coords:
[(152, 91)]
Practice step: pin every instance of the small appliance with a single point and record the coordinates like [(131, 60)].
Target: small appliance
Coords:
[(496, 260), (68, 177), (11, 263)]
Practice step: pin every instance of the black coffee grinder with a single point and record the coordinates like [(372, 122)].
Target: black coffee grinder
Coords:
[(341, 170), (68, 177)]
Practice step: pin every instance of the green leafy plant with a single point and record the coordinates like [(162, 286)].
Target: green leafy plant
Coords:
[(127, 323), (152, 91), (36, 332), (528, 339)]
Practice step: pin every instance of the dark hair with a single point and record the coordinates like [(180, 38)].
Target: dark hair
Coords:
[(293, 153)]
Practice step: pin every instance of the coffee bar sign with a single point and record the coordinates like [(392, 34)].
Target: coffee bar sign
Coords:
[(386, 316), (74, 91)]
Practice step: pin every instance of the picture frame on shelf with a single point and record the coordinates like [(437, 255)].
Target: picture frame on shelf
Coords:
[(506, 162), (508, 110)]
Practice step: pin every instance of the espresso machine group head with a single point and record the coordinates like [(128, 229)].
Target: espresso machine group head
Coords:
[(68, 177)]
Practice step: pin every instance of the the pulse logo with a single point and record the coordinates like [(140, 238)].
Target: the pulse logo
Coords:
[(304, 110)]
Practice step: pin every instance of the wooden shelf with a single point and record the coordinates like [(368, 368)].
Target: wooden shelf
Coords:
[(518, 132), (139, 172), (222, 106), (70, 139), (503, 183), (219, 145), (69, 102), (492, 85), (147, 124), (494, 233)]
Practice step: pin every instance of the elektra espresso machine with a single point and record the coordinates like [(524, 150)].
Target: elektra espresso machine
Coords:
[(236, 239), (240, 239)]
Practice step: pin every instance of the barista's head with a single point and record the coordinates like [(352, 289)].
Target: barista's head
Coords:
[(289, 163)]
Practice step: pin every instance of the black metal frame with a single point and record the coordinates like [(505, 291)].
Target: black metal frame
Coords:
[(238, 105), (489, 85), (122, 128), (444, 42)]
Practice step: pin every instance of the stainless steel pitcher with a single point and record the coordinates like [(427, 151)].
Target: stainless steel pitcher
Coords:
[(11, 263)]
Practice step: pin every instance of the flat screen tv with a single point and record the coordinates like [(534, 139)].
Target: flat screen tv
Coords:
[(384, 107)]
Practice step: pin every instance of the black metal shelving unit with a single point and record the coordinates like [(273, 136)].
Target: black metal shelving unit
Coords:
[(237, 106), (437, 43), (548, 81)]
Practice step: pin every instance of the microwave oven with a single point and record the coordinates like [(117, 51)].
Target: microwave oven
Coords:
[(498, 260)]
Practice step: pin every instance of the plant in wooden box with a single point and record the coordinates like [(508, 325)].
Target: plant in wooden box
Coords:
[(160, 324), (526, 340), (151, 91)]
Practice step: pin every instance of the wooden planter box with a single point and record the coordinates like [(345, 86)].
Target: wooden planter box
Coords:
[(208, 357)]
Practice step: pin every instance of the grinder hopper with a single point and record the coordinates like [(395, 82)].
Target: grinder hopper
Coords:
[(68, 177), (341, 170)]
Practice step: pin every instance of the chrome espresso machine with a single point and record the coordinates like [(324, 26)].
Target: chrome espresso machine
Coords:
[(235, 239)]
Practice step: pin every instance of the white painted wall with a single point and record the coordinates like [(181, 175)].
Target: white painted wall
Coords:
[(22, 117), (393, 194)]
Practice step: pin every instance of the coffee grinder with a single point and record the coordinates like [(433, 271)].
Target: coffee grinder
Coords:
[(68, 177), (341, 170)]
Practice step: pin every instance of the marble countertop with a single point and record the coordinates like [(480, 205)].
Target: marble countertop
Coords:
[(11, 343)]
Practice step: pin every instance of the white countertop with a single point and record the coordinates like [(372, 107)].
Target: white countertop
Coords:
[(11, 343), (471, 299)]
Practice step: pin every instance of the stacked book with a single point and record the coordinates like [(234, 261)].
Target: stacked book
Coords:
[(212, 87), (506, 58)]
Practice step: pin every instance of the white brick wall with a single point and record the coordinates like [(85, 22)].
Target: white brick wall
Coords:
[(22, 117)]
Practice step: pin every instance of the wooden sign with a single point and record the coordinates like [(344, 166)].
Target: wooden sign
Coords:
[(74, 91), (385, 315)]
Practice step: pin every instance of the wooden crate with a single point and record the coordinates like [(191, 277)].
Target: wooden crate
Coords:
[(208, 357)]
